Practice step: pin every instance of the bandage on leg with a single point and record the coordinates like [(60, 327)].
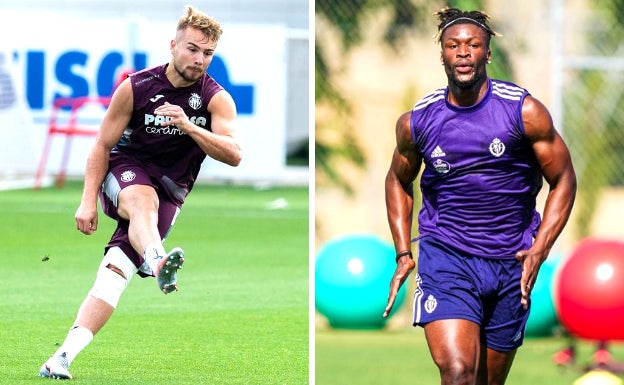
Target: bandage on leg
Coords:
[(109, 284)]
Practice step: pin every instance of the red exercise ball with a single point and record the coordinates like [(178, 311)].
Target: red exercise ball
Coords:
[(589, 290)]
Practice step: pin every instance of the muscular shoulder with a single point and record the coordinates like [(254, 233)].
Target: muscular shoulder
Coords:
[(122, 99), (222, 103), (403, 131), (538, 124)]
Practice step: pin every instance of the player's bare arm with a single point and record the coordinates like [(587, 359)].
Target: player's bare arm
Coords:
[(221, 143), (555, 162), (113, 125), (403, 170)]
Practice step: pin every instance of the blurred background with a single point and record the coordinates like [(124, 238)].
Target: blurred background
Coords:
[(374, 59), (52, 50)]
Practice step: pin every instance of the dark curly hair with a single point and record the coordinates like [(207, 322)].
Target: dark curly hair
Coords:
[(449, 16)]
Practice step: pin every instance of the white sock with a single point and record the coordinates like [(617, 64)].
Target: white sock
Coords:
[(153, 253), (77, 339)]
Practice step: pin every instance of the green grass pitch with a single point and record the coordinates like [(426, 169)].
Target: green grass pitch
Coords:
[(399, 356), (240, 317)]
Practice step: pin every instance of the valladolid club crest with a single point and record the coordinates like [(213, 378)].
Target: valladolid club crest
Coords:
[(497, 148), (430, 304)]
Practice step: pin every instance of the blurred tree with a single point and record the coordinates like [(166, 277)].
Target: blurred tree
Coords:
[(335, 123)]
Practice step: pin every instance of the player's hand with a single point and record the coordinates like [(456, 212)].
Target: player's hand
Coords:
[(177, 117), (404, 267), (531, 262), (86, 218)]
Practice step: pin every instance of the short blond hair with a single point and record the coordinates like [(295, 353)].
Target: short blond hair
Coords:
[(197, 19)]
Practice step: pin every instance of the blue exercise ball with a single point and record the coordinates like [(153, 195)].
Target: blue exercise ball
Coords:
[(352, 279)]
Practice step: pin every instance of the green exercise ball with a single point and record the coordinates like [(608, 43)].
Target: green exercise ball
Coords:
[(352, 279), (543, 316)]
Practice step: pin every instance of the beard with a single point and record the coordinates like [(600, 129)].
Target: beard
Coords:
[(464, 84), (464, 81), (188, 75)]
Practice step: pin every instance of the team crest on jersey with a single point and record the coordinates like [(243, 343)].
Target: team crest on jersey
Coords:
[(430, 304), (497, 148), (127, 176), (441, 166), (195, 101)]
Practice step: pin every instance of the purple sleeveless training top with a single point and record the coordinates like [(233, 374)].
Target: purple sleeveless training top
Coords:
[(481, 177), (166, 149)]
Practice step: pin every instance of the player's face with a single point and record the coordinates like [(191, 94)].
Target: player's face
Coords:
[(465, 54), (192, 53)]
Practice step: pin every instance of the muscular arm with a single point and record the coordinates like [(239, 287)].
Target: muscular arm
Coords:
[(113, 125), (403, 170), (556, 165), (399, 194), (221, 143)]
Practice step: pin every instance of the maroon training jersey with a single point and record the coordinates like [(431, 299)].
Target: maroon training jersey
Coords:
[(166, 148)]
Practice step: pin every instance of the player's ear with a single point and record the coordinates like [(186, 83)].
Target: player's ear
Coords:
[(172, 46)]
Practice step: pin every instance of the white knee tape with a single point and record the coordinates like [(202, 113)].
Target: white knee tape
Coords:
[(109, 285)]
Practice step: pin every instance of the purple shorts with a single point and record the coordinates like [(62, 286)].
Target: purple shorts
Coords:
[(125, 171), (452, 285)]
